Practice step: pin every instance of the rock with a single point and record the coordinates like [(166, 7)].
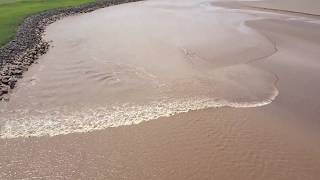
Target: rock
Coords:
[(12, 82), (17, 72), (3, 90), (4, 98), (23, 68), (5, 79)]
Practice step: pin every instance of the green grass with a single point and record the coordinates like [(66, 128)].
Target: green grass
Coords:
[(13, 12)]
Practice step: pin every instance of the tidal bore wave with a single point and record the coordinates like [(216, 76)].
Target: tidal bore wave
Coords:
[(62, 121)]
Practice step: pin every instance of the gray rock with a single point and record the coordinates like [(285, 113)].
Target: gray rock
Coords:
[(5, 79), (4, 98), (16, 72), (12, 82), (3, 90)]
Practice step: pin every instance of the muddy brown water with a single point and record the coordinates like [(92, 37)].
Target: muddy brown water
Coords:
[(142, 63), (133, 63)]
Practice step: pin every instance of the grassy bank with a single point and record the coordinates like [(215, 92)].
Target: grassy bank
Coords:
[(13, 12)]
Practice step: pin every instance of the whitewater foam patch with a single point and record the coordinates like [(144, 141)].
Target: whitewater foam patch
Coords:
[(62, 121)]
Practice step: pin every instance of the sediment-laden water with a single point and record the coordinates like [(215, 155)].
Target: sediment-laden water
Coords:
[(137, 62), (253, 72)]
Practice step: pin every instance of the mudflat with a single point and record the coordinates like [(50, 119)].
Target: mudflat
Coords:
[(306, 6), (169, 90)]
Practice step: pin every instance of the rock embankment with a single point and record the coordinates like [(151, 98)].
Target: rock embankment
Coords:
[(28, 45)]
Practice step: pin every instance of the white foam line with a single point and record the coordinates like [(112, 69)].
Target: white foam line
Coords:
[(57, 123)]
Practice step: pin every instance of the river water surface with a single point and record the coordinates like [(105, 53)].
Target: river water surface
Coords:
[(137, 62), (131, 63), (249, 76)]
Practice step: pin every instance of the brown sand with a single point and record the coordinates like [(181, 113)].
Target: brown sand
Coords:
[(276, 141), (303, 6)]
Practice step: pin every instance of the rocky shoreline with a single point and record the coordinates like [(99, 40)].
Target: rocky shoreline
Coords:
[(28, 45)]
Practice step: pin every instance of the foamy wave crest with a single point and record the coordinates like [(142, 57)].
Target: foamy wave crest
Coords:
[(58, 122)]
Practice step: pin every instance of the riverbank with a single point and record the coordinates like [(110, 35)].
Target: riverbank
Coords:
[(28, 45), (14, 12)]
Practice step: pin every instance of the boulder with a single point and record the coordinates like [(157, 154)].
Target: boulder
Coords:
[(3, 90), (12, 82), (5, 79)]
